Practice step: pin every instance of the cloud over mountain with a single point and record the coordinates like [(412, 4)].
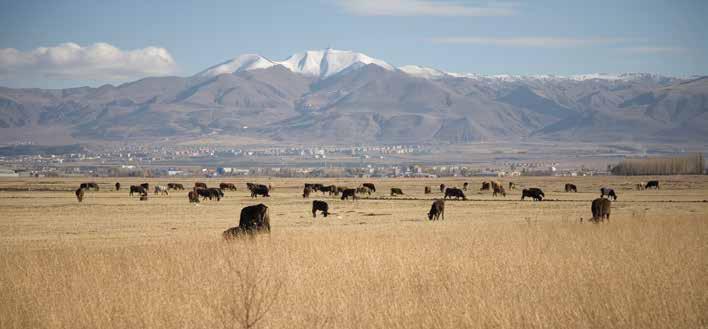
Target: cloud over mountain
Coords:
[(99, 61)]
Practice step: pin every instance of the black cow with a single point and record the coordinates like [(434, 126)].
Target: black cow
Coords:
[(609, 192), (534, 193), (396, 191), (600, 209), (117, 186), (314, 187), (258, 189), (209, 193), (454, 192), (216, 192), (79, 194), (363, 190), (306, 192), (193, 197), (437, 210), (427, 190), (350, 192), (89, 186), (485, 186), (571, 188), (137, 189), (200, 185), (321, 206), (175, 186), (254, 219), (146, 186), (331, 189), (227, 186), (370, 186), (442, 188), (464, 186), (652, 184)]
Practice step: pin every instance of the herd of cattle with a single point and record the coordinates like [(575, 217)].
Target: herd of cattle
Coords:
[(256, 219)]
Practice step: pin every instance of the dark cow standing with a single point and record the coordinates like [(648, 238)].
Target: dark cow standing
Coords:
[(254, 219), (571, 188), (442, 188), (652, 184), (216, 192), (600, 210), (227, 186), (464, 186), (306, 192), (193, 197), (609, 192), (258, 189), (534, 193), (350, 192), (454, 192), (485, 186), (200, 185), (370, 186), (117, 186), (396, 191), (146, 186), (314, 187), (89, 186), (498, 189), (137, 189), (79, 194), (427, 190), (363, 190), (321, 206), (437, 210), (175, 186), (331, 189)]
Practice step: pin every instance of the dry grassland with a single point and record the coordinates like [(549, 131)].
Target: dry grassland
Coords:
[(116, 262)]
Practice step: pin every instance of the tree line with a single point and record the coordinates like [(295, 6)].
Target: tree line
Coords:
[(691, 164)]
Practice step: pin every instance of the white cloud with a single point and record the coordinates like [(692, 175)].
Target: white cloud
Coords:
[(424, 8), (100, 61), (550, 42)]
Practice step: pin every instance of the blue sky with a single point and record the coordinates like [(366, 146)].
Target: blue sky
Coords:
[(72, 43)]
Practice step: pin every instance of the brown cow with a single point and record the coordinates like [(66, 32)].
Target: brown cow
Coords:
[(200, 185), (193, 197), (485, 186), (79, 194), (306, 192), (427, 190), (600, 209), (437, 210), (396, 191)]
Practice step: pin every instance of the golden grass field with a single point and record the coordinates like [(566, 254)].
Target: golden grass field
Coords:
[(115, 262)]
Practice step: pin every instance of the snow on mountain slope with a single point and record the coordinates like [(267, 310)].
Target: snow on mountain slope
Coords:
[(422, 72), (244, 62)]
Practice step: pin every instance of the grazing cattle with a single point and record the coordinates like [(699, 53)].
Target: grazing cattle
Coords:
[(209, 193), (89, 186), (498, 189), (175, 186), (363, 190), (227, 186), (609, 192), (639, 186), (534, 193), (258, 189), (161, 189), (146, 186), (600, 209), (571, 188), (306, 192), (512, 186), (454, 192), (137, 189), (341, 189), (652, 184), (200, 185), (254, 219), (485, 186), (442, 188), (331, 189), (350, 192), (314, 187), (427, 190), (79, 194), (216, 193), (396, 191), (464, 186), (193, 197), (437, 210), (370, 186), (117, 186), (321, 206)]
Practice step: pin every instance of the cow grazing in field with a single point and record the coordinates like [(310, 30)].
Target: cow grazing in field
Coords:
[(396, 191), (498, 189), (350, 192), (117, 186), (254, 219), (652, 184), (341, 189), (321, 206), (454, 192), (370, 186), (161, 189), (600, 210), (258, 189), (200, 185), (209, 193), (427, 190), (137, 189), (512, 186), (216, 193), (79, 194), (314, 187), (363, 190), (442, 188), (640, 186), (464, 186), (175, 186), (331, 189), (306, 192), (193, 197), (534, 193), (437, 210), (485, 186), (89, 186), (227, 186), (146, 186), (571, 188), (609, 192)]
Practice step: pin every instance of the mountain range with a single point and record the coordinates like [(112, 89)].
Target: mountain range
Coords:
[(334, 96)]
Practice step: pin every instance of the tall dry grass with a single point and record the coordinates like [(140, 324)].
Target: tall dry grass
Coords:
[(632, 273)]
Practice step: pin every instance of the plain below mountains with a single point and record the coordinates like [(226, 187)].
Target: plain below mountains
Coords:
[(333, 96)]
